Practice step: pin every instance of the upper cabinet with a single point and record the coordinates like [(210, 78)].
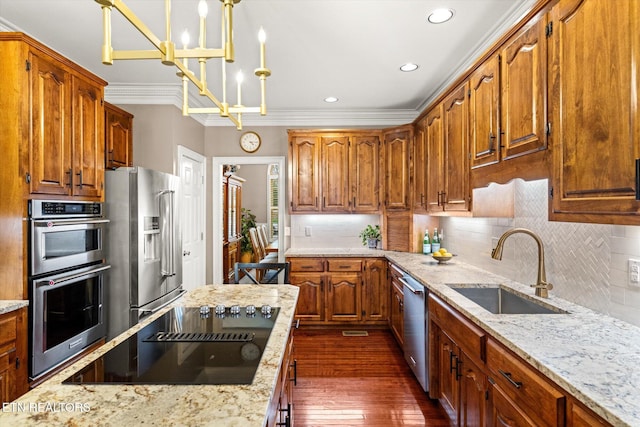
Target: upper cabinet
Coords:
[(57, 112), (397, 151), (334, 172), (447, 135), (484, 113), (524, 82), (595, 99), (118, 137), (420, 170)]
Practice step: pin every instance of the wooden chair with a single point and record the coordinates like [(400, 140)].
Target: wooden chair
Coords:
[(258, 249), (270, 272)]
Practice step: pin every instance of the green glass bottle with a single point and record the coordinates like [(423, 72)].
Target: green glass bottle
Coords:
[(426, 243), (435, 242)]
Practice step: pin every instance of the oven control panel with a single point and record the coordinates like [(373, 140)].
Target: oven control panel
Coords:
[(56, 208)]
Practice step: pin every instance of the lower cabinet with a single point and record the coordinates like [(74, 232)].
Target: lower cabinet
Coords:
[(480, 382), (13, 354), (396, 314), (94, 372), (341, 290), (281, 408)]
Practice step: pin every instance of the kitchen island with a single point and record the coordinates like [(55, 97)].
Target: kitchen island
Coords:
[(55, 403), (592, 356)]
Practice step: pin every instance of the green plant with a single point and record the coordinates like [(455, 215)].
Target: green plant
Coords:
[(248, 221), (370, 232)]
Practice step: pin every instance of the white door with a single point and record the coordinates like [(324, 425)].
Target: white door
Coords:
[(192, 173)]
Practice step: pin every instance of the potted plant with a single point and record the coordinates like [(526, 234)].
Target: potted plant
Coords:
[(246, 248), (370, 236)]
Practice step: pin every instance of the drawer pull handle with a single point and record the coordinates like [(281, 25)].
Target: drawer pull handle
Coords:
[(507, 375), (344, 266), (307, 266)]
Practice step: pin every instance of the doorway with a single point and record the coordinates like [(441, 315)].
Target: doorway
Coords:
[(217, 171)]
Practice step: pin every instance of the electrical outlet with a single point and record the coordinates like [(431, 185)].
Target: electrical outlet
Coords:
[(307, 230), (634, 272)]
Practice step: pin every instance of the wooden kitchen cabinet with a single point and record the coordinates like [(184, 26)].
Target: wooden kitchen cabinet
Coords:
[(397, 151), (334, 172), (396, 315), (281, 407), (458, 380), (448, 187), (232, 223), (13, 354), (66, 148), (420, 169), (118, 136), (523, 90), (334, 161), (484, 113), (340, 290), (594, 111), (579, 415)]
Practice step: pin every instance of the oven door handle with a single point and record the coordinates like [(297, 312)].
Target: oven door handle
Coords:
[(78, 275), (62, 223)]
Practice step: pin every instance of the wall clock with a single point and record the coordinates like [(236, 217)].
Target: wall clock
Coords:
[(250, 142)]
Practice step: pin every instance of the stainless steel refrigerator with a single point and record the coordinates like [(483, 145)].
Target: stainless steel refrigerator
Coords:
[(144, 245)]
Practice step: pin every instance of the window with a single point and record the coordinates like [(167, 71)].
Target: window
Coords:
[(273, 174)]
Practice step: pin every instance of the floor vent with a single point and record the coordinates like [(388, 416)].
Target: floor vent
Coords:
[(355, 333)]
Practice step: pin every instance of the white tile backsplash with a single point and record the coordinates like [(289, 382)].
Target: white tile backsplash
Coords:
[(587, 263), (329, 231)]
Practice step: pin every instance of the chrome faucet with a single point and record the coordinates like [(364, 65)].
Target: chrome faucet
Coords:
[(542, 286)]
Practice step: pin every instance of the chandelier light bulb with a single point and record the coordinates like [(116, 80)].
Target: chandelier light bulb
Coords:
[(203, 9), (262, 36), (239, 77), (185, 38)]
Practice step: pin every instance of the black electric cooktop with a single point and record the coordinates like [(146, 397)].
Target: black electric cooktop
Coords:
[(187, 345)]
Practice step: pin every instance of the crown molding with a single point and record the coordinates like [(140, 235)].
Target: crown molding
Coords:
[(171, 94)]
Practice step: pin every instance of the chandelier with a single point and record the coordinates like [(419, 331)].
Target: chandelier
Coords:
[(165, 50)]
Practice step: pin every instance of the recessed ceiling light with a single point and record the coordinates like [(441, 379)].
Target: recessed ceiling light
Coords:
[(331, 99), (439, 16), (410, 66)]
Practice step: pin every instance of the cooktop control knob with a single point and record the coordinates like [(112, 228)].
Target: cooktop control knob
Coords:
[(220, 309), (234, 309), (204, 310), (266, 310), (251, 310)]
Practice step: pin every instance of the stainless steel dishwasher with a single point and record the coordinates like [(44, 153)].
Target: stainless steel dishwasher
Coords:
[(416, 329)]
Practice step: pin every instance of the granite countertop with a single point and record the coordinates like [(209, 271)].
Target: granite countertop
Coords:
[(7, 306), (54, 403), (594, 357)]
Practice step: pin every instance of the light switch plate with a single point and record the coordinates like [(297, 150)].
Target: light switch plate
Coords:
[(307, 230), (634, 272)]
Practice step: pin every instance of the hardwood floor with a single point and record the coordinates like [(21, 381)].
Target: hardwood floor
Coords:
[(357, 381)]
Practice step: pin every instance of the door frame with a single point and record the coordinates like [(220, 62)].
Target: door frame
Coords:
[(183, 151), (217, 202)]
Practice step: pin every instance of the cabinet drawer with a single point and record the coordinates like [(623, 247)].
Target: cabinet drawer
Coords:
[(470, 338), (526, 387), (306, 264), (345, 264), (8, 328)]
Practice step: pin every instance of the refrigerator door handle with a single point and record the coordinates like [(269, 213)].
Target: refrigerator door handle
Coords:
[(167, 206)]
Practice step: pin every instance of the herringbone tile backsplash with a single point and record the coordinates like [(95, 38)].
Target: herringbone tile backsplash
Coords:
[(587, 263)]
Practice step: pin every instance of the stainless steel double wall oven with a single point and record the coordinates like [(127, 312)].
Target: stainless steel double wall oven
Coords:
[(67, 276)]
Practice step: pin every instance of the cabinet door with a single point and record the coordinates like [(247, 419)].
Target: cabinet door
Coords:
[(375, 290), (334, 157), (396, 317), (473, 388), (420, 167), (446, 368), (435, 156), (118, 137), (484, 113), (396, 152), (456, 150), (580, 416), (524, 82), (343, 297), (595, 98), (88, 139), (311, 298), (364, 175), (50, 143), (304, 177), (7, 374)]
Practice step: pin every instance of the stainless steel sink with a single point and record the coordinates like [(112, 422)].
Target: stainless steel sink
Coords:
[(498, 300)]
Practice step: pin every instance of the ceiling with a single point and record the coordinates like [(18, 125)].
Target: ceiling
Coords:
[(350, 49)]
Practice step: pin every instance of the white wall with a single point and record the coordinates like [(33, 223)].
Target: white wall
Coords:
[(587, 263)]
